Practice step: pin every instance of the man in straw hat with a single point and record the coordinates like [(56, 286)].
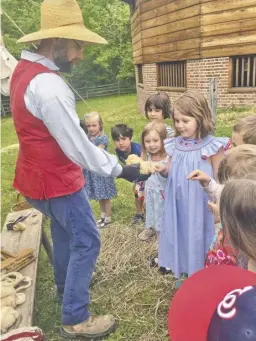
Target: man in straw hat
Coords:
[(53, 149)]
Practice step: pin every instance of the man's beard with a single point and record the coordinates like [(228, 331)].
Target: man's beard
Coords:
[(63, 64)]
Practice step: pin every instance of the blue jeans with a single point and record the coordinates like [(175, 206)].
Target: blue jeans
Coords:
[(76, 246)]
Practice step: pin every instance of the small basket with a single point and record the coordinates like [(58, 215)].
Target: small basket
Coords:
[(21, 204)]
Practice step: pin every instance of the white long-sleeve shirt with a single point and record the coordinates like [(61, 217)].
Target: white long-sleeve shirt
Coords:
[(214, 190), (49, 98)]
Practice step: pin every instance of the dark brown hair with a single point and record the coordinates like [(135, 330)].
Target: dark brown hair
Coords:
[(194, 104), (160, 101)]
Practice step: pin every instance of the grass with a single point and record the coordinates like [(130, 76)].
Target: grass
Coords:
[(125, 285)]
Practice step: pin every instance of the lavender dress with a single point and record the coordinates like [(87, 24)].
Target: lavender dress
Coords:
[(188, 225)]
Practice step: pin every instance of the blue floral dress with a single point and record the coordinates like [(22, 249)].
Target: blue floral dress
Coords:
[(154, 198), (188, 225), (99, 187)]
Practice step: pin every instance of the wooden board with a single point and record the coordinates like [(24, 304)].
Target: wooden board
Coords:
[(16, 241), (230, 39), (220, 5), (230, 15), (149, 5), (227, 51), (171, 17), (171, 37), (175, 5), (172, 56), (171, 47), (244, 25), (171, 27)]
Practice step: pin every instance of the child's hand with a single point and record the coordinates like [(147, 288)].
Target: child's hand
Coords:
[(159, 168), (201, 176), (214, 208)]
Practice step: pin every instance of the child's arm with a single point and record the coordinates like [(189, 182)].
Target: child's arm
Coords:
[(212, 188), (215, 160), (162, 168), (102, 146)]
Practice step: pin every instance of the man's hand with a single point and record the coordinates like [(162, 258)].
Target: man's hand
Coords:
[(201, 176), (132, 173)]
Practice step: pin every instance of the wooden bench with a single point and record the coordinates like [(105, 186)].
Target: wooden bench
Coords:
[(14, 242)]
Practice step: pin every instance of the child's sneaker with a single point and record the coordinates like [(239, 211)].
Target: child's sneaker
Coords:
[(138, 219), (146, 234), (153, 262), (104, 224), (100, 221), (165, 271)]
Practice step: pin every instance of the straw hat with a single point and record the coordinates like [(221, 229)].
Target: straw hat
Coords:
[(62, 19)]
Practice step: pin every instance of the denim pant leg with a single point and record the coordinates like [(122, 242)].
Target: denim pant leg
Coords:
[(61, 241), (74, 214)]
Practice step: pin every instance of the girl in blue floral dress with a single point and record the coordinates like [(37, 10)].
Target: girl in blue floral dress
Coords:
[(188, 226), (99, 188)]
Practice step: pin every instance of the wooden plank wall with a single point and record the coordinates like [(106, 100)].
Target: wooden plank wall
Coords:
[(171, 30)]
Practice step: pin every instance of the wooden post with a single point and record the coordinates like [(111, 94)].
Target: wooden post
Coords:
[(118, 86), (213, 97)]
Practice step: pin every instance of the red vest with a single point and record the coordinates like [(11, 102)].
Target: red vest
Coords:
[(42, 170)]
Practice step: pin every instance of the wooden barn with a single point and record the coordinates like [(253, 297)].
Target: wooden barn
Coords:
[(189, 44)]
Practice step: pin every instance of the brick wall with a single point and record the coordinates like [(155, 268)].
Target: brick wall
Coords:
[(198, 74)]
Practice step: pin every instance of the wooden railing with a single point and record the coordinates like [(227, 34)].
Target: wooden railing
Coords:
[(85, 92), (243, 72)]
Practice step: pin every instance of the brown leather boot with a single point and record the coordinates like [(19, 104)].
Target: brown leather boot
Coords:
[(94, 327)]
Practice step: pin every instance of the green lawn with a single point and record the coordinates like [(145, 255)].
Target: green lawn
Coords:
[(125, 285)]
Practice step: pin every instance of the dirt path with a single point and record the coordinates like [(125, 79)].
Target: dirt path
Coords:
[(11, 147)]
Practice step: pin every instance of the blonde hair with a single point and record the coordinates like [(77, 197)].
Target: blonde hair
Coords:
[(238, 162), (238, 214), (195, 105), (94, 115), (247, 128), (161, 131)]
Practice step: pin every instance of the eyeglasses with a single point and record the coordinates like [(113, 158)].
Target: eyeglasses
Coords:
[(79, 44)]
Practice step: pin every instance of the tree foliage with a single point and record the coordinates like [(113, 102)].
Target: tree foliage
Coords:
[(101, 64)]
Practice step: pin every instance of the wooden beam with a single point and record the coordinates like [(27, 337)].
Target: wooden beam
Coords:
[(135, 15), (230, 15), (171, 17), (149, 5), (230, 27), (138, 60), (231, 39), (137, 46), (221, 6), (174, 6), (171, 27), (136, 31), (175, 46), (135, 23), (136, 38), (227, 51), (171, 37), (137, 53), (172, 56)]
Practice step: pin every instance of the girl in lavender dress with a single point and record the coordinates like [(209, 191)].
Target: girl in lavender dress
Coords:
[(99, 188), (188, 225)]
